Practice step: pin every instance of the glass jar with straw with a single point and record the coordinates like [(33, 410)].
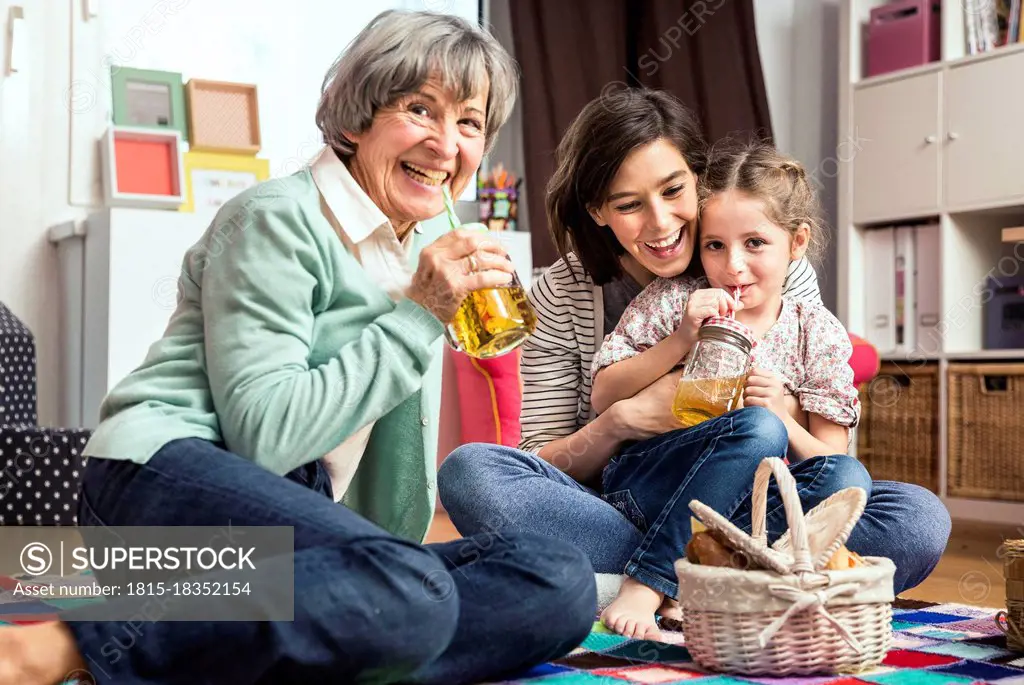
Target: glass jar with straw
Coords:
[(491, 321), (716, 370)]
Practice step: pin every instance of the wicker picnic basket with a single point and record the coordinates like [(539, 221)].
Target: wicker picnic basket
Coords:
[(790, 617)]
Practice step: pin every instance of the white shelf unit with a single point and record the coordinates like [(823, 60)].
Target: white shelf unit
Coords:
[(941, 142)]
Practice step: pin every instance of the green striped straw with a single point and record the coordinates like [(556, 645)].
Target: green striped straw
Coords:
[(449, 206)]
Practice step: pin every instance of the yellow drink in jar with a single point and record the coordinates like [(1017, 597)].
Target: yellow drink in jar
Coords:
[(493, 321), (490, 321), (700, 399)]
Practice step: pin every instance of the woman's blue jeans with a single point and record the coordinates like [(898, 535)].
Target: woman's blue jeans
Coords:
[(369, 607), (640, 523)]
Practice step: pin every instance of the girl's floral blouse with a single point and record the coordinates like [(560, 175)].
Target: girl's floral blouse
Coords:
[(807, 347)]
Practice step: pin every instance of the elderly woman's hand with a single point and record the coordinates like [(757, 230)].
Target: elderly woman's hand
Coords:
[(453, 266)]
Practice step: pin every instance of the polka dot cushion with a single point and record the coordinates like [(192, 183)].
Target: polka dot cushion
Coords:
[(17, 371), (41, 469)]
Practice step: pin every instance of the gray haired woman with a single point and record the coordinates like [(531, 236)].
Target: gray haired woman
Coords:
[(297, 385)]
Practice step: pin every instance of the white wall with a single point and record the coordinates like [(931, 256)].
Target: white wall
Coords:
[(509, 148), (774, 24), (235, 45), (799, 41), (34, 180)]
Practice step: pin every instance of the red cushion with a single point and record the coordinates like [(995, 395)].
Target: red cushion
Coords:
[(490, 397), (864, 360)]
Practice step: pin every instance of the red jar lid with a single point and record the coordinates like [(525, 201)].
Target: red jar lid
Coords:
[(732, 325)]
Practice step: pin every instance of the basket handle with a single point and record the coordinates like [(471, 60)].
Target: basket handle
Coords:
[(994, 384), (1011, 629), (794, 511)]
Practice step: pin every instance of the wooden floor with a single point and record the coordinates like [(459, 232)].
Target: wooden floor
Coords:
[(442, 530), (970, 572)]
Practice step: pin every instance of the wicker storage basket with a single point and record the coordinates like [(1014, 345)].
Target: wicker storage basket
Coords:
[(986, 431), (793, 618), (898, 435), (1011, 621)]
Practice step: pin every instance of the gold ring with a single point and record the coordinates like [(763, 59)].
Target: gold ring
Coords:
[(472, 264)]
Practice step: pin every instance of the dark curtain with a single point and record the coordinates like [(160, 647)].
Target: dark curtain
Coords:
[(567, 51), (703, 51)]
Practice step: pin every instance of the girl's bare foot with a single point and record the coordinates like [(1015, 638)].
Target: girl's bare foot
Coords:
[(40, 654), (632, 612), (671, 614)]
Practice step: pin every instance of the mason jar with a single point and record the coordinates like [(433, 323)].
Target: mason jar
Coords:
[(491, 322), (715, 373)]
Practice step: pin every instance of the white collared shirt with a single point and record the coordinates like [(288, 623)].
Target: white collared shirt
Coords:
[(369, 236)]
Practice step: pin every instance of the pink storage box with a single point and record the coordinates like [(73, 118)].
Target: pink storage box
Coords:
[(902, 34)]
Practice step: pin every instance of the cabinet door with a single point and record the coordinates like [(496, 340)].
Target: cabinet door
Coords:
[(896, 152), (984, 142)]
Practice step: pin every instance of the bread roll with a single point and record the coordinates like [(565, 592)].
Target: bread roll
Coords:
[(844, 559), (710, 548)]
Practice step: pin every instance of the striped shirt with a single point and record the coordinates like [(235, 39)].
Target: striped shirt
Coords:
[(557, 358)]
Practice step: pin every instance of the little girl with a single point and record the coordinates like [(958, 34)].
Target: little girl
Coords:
[(757, 215)]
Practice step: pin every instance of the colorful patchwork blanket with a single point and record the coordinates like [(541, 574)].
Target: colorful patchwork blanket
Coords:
[(932, 644)]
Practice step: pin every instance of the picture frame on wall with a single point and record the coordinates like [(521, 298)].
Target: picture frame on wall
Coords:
[(142, 168), (148, 98), (223, 116), (211, 179)]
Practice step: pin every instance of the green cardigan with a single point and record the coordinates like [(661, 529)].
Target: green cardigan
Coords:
[(281, 347)]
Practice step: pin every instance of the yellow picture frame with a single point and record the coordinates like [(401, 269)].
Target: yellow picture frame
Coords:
[(226, 175)]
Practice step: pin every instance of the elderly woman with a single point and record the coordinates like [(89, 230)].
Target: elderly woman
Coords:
[(295, 386), (622, 208)]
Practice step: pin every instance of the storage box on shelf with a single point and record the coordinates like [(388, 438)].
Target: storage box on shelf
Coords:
[(903, 33), (898, 436), (986, 433), (935, 145)]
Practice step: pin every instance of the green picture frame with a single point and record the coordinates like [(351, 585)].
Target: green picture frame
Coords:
[(146, 98)]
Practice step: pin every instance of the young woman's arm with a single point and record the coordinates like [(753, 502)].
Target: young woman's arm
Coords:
[(552, 417), (551, 361), (554, 382), (585, 453)]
